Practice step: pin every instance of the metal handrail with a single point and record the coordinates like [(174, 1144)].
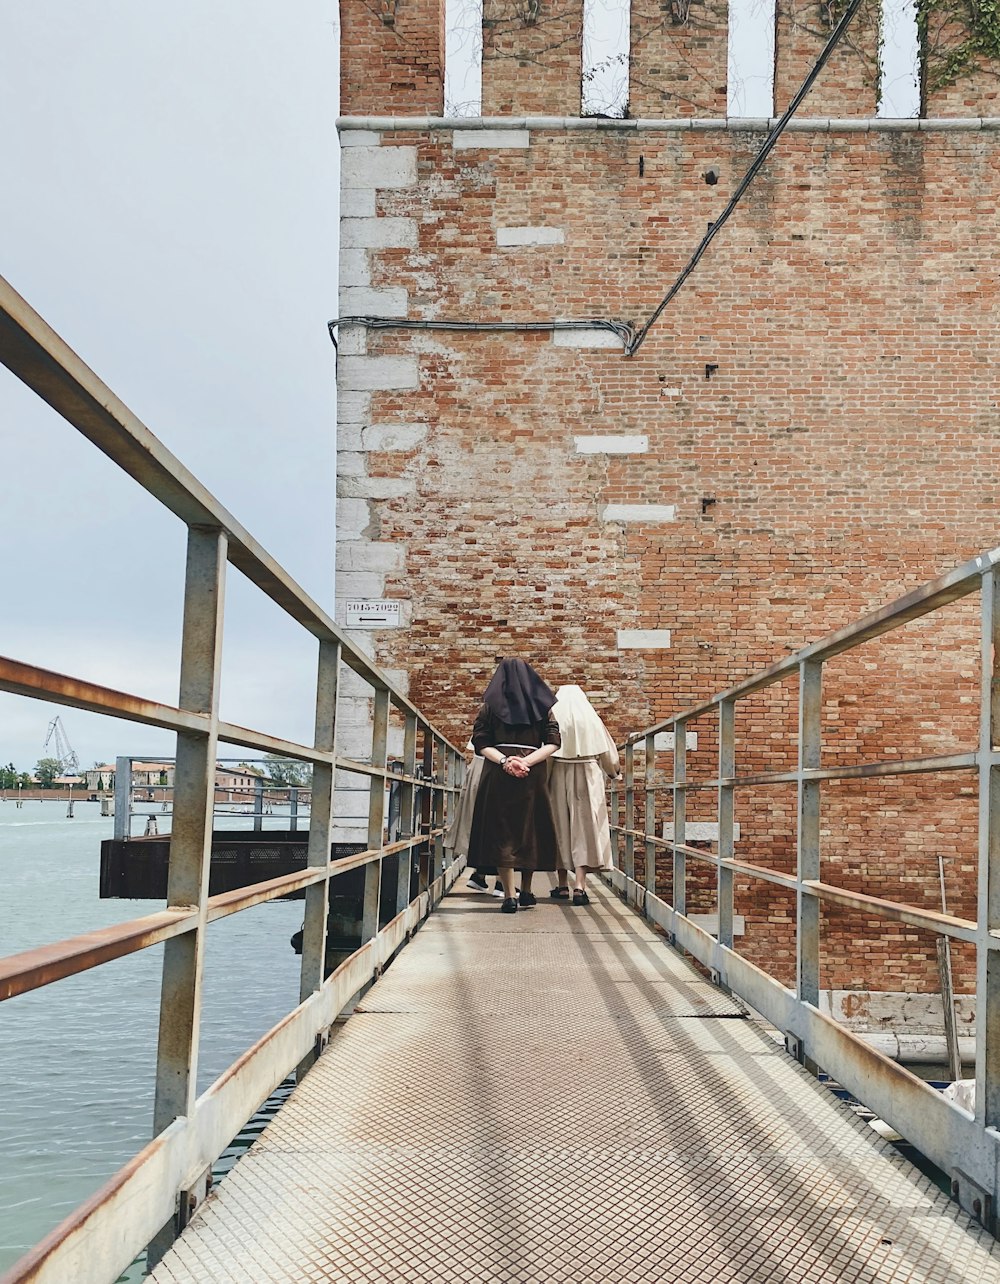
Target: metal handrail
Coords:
[(965, 1146), (149, 1200)]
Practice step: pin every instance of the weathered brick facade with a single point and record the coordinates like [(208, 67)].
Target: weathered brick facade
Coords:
[(810, 430)]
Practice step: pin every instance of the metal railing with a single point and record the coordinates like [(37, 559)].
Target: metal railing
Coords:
[(150, 1199), (964, 1145), (263, 798)]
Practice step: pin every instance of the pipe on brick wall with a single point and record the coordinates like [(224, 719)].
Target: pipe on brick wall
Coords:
[(732, 124)]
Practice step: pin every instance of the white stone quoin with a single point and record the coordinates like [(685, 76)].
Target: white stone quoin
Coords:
[(378, 233), (387, 374), (379, 167), (611, 445), (643, 639), (391, 301)]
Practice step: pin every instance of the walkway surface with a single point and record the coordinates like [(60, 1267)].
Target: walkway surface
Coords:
[(557, 1096)]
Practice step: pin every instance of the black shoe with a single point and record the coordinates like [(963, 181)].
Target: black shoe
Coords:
[(580, 898), (509, 905), (560, 893), (527, 900), (477, 882)]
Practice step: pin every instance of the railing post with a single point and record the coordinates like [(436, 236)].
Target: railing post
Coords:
[(679, 791), (424, 808), (258, 804), (451, 778), (437, 808), (293, 809), (613, 823), (807, 948), (406, 829), (191, 835), (649, 778), (320, 820), (727, 769), (629, 810), (376, 815), (988, 913), (123, 798)]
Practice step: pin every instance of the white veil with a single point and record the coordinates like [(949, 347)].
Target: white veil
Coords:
[(584, 735)]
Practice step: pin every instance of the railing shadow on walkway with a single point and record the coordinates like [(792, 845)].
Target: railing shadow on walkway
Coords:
[(965, 1146), (151, 1198)]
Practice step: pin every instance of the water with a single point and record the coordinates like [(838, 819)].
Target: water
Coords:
[(77, 1058)]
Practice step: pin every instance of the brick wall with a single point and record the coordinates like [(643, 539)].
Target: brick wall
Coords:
[(532, 57), (810, 431), (391, 57), (678, 58)]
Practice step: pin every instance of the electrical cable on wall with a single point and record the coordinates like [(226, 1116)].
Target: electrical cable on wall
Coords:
[(631, 338)]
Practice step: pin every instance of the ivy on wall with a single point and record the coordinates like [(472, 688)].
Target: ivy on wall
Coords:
[(957, 38)]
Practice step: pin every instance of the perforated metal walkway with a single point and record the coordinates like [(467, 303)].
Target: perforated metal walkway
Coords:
[(557, 1096)]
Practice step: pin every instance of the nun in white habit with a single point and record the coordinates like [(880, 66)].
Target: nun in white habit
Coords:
[(577, 775)]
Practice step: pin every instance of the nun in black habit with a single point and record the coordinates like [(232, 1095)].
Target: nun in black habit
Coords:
[(515, 734)]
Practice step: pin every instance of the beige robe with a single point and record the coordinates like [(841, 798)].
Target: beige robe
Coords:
[(456, 837), (580, 809)]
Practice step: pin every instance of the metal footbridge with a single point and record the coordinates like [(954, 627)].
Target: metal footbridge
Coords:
[(564, 1094), (560, 1096)]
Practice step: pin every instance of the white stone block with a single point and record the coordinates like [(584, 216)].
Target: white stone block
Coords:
[(400, 679), (359, 138), (710, 923), (350, 463), (376, 487), (378, 233), (357, 202), (611, 445), (586, 339), (353, 407), (349, 436), (394, 436), (352, 341), (379, 167), (664, 740), (353, 518), (360, 301), (370, 555), (643, 639), (387, 374), (360, 584), (489, 139), (645, 513), (517, 236), (700, 831), (355, 268)]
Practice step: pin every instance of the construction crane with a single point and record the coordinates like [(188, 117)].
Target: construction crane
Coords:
[(64, 751)]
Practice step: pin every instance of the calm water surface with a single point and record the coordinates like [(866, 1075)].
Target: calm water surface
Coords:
[(77, 1058)]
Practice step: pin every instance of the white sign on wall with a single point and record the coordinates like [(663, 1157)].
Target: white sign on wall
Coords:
[(372, 615)]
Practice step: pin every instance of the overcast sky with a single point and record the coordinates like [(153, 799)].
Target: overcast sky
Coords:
[(170, 207)]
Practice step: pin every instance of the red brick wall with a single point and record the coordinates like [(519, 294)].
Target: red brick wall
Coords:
[(975, 90), (848, 437), (846, 85), (678, 58), (392, 60), (532, 57)]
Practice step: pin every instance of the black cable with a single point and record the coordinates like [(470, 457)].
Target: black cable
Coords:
[(630, 337), (619, 328), (632, 347)]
